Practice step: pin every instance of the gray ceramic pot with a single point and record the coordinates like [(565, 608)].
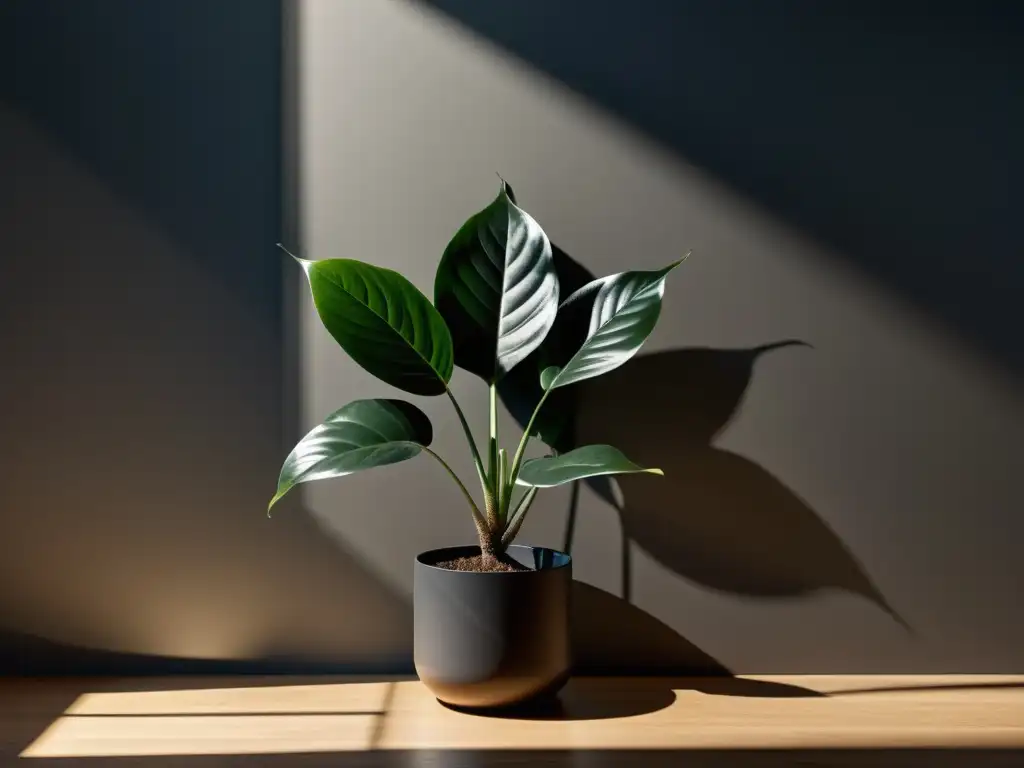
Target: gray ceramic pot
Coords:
[(492, 639)]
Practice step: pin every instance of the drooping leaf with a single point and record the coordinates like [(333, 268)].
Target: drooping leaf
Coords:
[(547, 376), (361, 435), (588, 461), (520, 390), (384, 323), (611, 318), (496, 288)]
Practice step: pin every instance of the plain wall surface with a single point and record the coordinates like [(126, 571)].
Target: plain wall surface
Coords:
[(851, 507), (143, 376)]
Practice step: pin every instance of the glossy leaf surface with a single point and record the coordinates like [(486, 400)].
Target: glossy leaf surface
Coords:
[(520, 390), (384, 323), (612, 317), (588, 461), (496, 288), (362, 435)]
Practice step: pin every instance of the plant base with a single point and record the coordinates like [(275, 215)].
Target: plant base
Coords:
[(481, 564)]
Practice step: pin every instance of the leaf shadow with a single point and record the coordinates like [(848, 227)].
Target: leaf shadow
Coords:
[(606, 629), (717, 518)]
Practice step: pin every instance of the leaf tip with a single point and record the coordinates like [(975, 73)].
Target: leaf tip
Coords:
[(304, 263), (677, 262), (548, 376), (273, 501), (654, 471), (506, 189)]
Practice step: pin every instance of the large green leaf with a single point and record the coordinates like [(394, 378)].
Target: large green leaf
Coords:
[(607, 322), (361, 435), (384, 323), (588, 461), (496, 288), (520, 390)]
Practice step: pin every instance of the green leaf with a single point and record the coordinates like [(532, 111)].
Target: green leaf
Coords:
[(384, 323), (547, 376), (496, 288), (520, 390), (361, 435), (613, 317), (588, 461)]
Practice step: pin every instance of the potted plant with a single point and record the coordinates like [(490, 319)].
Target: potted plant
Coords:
[(491, 620)]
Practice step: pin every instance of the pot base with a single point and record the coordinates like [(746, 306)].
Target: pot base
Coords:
[(543, 704)]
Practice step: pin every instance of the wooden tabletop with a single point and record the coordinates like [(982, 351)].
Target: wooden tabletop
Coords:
[(762, 721)]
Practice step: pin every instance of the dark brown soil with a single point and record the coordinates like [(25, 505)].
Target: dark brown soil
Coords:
[(479, 564)]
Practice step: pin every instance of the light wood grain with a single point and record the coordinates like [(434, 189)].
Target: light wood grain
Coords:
[(321, 698), (704, 716), (658, 718)]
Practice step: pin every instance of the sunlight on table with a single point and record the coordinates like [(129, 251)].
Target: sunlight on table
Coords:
[(755, 712)]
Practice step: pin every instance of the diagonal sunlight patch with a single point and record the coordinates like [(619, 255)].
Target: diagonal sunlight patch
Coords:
[(203, 735), (342, 717), (337, 698)]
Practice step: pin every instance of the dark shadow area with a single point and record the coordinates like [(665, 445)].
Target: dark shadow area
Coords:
[(26, 655), (924, 688), (890, 131), (176, 108), (591, 699), (745, 688), (612, 636), (715, 518)]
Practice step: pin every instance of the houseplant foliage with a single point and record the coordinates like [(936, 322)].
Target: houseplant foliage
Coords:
[(498, 314)]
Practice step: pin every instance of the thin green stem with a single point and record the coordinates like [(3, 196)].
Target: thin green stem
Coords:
[(477, 461), (478, 518), (518, 516), (494, 410), (514, 473), (492, 444), (494, 475), (504, 489)]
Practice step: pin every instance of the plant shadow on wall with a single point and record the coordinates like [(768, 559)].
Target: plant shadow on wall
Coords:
[(716, 518)]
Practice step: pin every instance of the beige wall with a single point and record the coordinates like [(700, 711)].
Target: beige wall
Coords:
[(140, 339), (145, 372), (881, 466)]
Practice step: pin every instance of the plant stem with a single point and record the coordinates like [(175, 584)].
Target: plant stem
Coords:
[(492, 445), (504, 489), (497, 480), (518, 516), (514, 473), (477, 462), (494, 414), (478, 518)]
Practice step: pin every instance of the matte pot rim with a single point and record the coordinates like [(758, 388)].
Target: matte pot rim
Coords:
[(428, 558)]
